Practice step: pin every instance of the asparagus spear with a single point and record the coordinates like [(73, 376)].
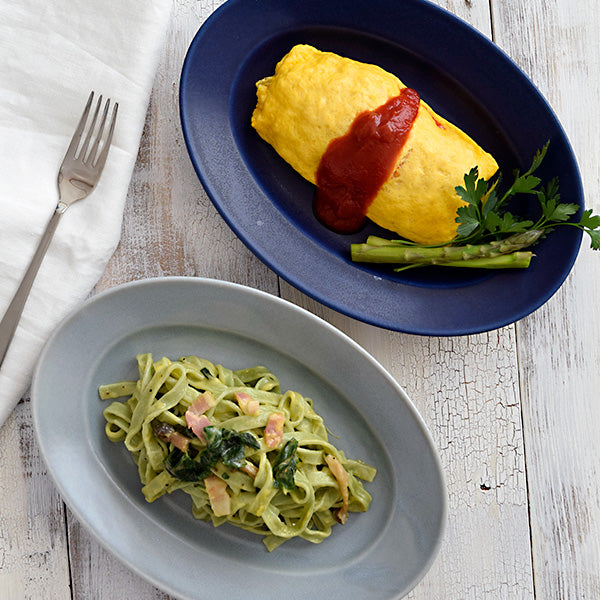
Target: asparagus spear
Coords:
[(378, 250), (515, 260)]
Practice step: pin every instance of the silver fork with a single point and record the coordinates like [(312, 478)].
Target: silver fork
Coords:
[(77, 177)]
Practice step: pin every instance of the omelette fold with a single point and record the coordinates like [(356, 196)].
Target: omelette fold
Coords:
[(314, 97)]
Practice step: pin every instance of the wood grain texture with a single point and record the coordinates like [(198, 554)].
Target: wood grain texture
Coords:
[(512, 412), (33, 543), (559, 356), (96, 573)]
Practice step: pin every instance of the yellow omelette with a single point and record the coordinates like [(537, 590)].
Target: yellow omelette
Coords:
[(314, 97)]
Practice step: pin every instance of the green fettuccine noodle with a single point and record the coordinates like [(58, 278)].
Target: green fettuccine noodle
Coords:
[(259, 503)]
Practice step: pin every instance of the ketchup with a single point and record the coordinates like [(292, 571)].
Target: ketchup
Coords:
[(357, 164)]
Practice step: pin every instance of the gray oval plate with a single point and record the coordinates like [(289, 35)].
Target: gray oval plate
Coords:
[(379, 554)]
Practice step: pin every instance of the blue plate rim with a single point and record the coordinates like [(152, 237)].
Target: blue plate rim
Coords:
[(469, 324)]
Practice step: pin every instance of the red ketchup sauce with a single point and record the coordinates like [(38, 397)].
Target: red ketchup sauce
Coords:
[(357, 164)]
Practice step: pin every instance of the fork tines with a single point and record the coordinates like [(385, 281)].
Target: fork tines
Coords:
[(96, 156)]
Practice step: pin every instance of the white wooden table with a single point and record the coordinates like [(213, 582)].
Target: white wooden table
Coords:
[(515, 413)]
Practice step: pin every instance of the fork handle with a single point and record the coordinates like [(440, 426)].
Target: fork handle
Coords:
[(9, 322)]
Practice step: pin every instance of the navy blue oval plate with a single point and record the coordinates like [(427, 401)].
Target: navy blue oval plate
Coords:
[(458, 71)]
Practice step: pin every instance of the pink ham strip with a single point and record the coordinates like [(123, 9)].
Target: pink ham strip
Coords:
[(250, 469), (195, 418), (341, 476), (274, 430), (203, 402), (246, 404), (218, 497), (197, 423), (167, 434)]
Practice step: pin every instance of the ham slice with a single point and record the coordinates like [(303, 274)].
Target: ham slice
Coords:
[(169, 435), (250, 469), (274, 430), (195, 418), (246, 404), (341, 476), (218, 497), (197, 423), (203, 402)]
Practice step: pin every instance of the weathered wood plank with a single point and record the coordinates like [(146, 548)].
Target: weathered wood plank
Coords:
[(33, 543), (559, 355), (96, 573)]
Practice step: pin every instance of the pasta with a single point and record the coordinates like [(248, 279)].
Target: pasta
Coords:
[(245, 452)]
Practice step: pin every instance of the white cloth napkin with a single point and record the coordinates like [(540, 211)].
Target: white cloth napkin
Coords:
[(52, 54)]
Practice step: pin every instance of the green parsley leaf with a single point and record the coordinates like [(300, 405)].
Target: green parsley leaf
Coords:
[(549, 197), (525, 184), (538, 157), (513, 225), (489, 201), (595, 238), (474, 188), (468, 220), (588, 220), (562, 212), (493, 222)]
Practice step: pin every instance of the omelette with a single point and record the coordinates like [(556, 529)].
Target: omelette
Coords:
[(314, 99)]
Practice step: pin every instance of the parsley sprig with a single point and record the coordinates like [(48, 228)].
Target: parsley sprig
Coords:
[(484, 216)]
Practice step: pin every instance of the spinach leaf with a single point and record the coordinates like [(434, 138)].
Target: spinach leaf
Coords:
[(221, 445), (284, 466), (183, 467)]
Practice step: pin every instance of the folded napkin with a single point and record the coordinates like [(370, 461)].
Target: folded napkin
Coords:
[(52, 54)]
